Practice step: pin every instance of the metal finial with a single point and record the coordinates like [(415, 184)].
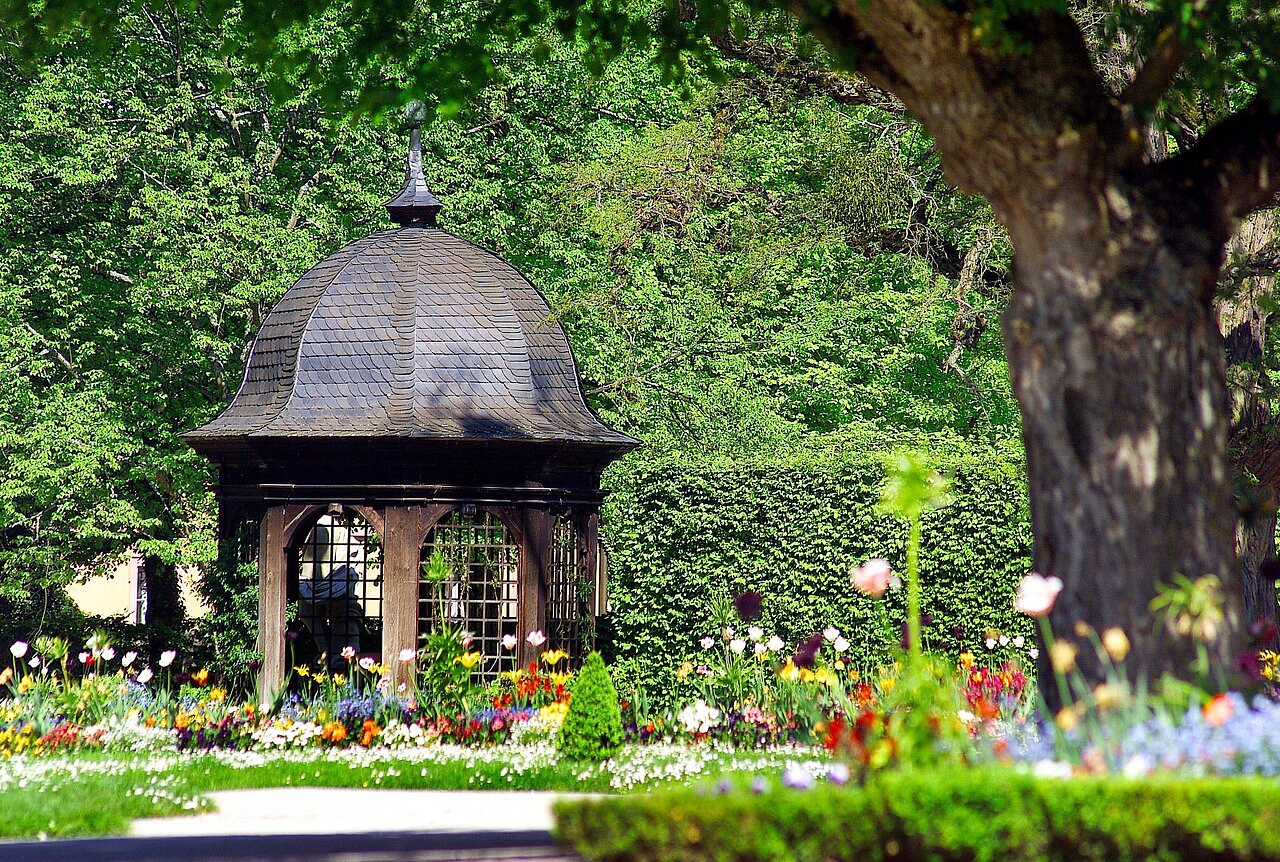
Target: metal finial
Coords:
[(415, 204)]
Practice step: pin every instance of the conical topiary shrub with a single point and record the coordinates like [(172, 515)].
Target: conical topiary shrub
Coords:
[(592, 730)]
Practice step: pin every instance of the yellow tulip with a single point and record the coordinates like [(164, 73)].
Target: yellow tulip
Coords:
[(554, 656), (1063, 656), (469, 659), (1116, 643)]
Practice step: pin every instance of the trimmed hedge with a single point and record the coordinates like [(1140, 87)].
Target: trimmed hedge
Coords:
[(680, 533), (995, 814), (593, 728)]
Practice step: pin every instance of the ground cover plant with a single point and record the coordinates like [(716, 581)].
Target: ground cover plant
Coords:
[(94, 793)]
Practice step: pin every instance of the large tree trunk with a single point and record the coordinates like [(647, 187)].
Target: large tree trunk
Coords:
[(1112, 341), (1117, 363)]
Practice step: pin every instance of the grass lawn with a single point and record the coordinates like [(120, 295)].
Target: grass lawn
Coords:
[(100, 793)]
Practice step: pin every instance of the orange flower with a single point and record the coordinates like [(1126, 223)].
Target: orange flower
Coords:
[(1218, 710), (201, 676), (369, 730), (336, 732)]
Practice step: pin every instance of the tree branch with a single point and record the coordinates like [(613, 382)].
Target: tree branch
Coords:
[(295, 217), (1161, 66), (1157, 73), (1236, 163), (804, 76), (850, 45)]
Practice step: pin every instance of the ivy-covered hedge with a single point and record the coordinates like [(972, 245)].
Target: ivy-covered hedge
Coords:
[(680, 533), (995, 814)]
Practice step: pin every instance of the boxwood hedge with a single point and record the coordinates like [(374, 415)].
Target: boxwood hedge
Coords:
[(681, 532), (997, 815)]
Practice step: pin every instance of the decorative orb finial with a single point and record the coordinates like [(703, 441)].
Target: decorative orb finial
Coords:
[(415, 114)]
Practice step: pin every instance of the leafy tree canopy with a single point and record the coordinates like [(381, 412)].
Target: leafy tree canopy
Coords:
[(743, 265)]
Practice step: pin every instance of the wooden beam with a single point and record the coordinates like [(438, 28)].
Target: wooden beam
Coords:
[(272, 586), (400, 561), (534, 573)]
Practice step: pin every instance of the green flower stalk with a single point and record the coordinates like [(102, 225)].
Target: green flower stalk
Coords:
[(911, 489)]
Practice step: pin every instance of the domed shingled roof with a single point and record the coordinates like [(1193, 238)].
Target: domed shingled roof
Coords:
[(412, 332)]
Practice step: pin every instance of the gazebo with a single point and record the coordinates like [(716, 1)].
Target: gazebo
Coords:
[(412, 397)]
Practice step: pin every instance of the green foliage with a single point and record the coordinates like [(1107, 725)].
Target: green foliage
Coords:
[(592, 729), (721, 265), (918, 815), (383, 50), (224, 640), (684, 533), (911, 488)]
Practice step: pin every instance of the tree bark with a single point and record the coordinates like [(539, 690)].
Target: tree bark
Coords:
[(1117, 363)]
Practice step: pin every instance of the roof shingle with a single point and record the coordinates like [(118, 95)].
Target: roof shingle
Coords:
[(412, 332)]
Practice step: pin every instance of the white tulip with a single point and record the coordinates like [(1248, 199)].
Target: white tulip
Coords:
[(1036, 594)]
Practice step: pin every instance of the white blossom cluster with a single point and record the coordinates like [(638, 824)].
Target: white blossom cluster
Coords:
[(288, 734)]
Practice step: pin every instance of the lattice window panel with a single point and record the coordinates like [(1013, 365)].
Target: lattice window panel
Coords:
[(482, 591), (244, 541), (339, 587), (569, 623)]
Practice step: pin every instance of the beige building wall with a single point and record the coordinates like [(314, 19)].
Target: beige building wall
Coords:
[(116, 593)]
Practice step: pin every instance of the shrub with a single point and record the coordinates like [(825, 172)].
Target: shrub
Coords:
[(683, 533), (926, 815), (593, 728)]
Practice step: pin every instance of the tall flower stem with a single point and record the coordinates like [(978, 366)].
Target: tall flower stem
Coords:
[(913, 592), (1046, 634)]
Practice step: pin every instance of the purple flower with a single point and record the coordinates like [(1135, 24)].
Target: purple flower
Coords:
[(759, 785), (795, 777), (747, 604), (838, 774), (807, 651)]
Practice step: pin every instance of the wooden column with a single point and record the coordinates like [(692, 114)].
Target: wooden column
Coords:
[(272, 586), (400, 562), (535, 572)]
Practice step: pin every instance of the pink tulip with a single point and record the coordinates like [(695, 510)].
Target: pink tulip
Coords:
[(536, 638), (873, 577), (509, 641), (1036, 594)]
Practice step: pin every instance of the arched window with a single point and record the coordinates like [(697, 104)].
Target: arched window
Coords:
[(481, 591), (337, 585), (569, 623)]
